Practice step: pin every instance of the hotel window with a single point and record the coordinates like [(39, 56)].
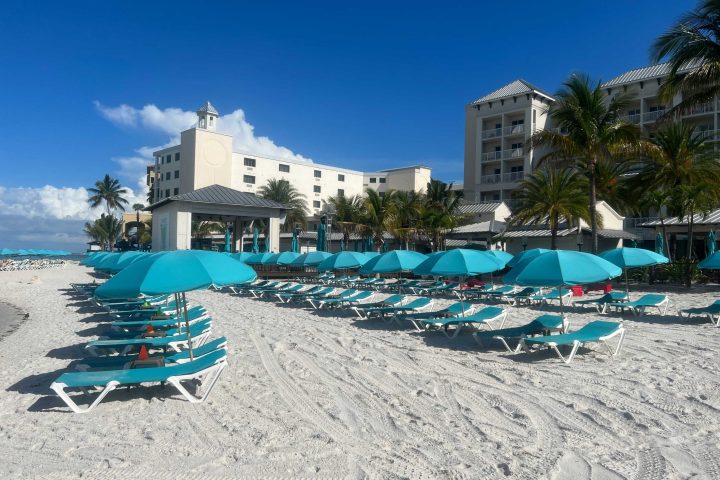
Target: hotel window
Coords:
[(167, 175), (177, 157), (316, 188), (162, 160), (382, 179), (177, 173), (176, 191), (250, 162), (249, 179), (317, 174), (373, 180), (382, 194), (169, 158), (167, 192), (341, 192), (284, 168), (341, 178), (316, 204)]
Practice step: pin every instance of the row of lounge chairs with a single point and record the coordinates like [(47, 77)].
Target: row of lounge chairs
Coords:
[(145, 342)]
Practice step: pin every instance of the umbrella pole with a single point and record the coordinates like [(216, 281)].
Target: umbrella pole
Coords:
[(561, 302), (627, 286), (187, 327), (177, 312)]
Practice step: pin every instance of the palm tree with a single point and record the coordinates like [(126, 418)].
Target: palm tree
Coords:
[(692, 47), (677, 156), (406, 219), (550, 195), (106, 230), (348, 214), (203, 229), (379, 215), (590, 131), (440, 213), (283, 192), (151, 195), (137, 207), (109, 191)]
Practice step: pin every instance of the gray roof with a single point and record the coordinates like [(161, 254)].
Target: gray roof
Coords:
[(208, 108), (564, 232), (517, 87), (220, 195), (481, 227), (711, 218), (479, 207), (646, 73)]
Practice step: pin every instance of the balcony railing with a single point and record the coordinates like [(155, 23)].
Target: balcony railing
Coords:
[(514, 129), (652, 116), (502, 178), (702, 108), (513, 153), (710, 135), (492, 133), (486, 157), (633, 118)]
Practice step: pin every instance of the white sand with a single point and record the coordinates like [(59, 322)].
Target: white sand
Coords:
[(310, 395)]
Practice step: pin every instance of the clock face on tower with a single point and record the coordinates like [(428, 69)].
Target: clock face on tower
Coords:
[(214, 153)]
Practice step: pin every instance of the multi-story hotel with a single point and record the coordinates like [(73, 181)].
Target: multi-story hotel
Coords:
[(177, 170), (498, 126)]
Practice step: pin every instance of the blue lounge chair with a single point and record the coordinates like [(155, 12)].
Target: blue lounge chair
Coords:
[(199, 334), (206, 368), (712, 312), (601, 303), (391, 301), (342, 301), (455, 310), (639, 306), (286, 297), (500, 291), (414, 306), (516, 297), (486, 316), (553, 295), (315, 300), (594, 332), (195, 314), (542, 325)]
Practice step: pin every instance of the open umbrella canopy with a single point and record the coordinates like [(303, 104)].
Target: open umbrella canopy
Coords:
[(343, 261), (174, 272), (461, 262), (99, 258), (502, 255), (258, 258), (533, 252), (241, 256), (559, 268), (632, 257), (371, 254), (310, 259), (284, 258), (393, 262), (711, 262), (7, 251), (115, 263)]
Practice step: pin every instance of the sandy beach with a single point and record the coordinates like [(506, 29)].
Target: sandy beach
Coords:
[(314, 395)]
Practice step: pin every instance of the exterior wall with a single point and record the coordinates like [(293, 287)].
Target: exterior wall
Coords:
[(167, 162), (569, 242)]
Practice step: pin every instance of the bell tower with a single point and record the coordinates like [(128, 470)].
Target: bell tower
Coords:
[(207, 117)]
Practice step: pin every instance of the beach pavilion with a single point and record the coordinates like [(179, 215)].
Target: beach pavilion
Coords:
[(173, 216)]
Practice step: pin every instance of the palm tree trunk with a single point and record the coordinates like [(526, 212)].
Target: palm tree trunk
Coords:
[(688, 266), (665, 238), (593, 210)]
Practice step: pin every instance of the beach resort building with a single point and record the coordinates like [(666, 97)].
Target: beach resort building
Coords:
[(499, 124), (205, 159)]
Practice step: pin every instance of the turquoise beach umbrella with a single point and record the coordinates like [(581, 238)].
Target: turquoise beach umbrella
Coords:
[(176, 272), (115, 263), (255, 241), (258, 258), (659, 244), (92, 257), (562, 268), (310, 259), (343, 261), (227, 240), (241, 256), (320, 244), (98, 258), (711, 262), (459, 262), (533, 252), (284, 258), (295, 244), (7, 251), (632, 257), (501, 255), (371, 254), (393, 262), (711, 242)]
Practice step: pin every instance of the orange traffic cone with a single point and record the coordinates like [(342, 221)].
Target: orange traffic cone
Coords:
[(143, 355)]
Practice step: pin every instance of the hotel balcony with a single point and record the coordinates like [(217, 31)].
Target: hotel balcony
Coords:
[(503, 154), (701, 109), (514, 130), (492, 133), (635, 118), (652, 116), (709, 135), (512, 177)]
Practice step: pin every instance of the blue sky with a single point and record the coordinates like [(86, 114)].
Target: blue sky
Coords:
[(366, 87)]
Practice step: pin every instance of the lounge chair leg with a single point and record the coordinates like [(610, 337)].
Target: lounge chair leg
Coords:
[(59, 388), (211, 377), (570, 357), (456, 331)]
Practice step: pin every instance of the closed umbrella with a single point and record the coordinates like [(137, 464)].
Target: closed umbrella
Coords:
[(562, 268), (295, 244), (342, 245), (227, 239), (711, 242), (176, 272), (255, 240), (659, 244), (632, 257), (369, 247), (310, 259), (320, 245), (343, 261)]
